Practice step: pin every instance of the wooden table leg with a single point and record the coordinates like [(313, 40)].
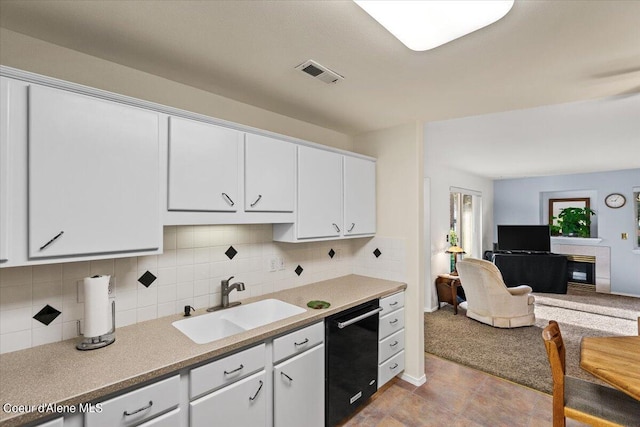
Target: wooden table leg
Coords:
[(454, 296)]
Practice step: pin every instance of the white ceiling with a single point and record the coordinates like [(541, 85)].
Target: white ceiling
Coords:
[(541, 53)]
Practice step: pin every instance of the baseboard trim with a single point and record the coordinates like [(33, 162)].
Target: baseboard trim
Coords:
[(413, 380)]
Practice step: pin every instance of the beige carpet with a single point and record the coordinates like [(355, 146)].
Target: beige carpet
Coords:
[(518, 354)]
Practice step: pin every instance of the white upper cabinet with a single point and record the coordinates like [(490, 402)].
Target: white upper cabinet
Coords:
[(93, 176), (359, 196), (270, 167), (203, 166), (319, 193)]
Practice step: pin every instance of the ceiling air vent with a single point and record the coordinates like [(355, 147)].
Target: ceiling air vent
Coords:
[(319, 72)]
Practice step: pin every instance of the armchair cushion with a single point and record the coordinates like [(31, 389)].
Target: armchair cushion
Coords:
[(488, 298)]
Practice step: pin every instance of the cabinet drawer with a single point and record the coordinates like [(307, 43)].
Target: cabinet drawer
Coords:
[(298, 341), (391, 323), (170, 419), (390, 368), (58, 422), (136, 406), (390, 346), (392, 302), (242, 404), (226, 370)]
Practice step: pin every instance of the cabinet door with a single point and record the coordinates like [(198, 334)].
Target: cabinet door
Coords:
[(319, 193), (4, 170), (203, 166), (359, 196), (93, 175), (242, 404), (269, 172), (298, 387)]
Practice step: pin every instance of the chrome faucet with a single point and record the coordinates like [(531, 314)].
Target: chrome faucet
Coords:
[(225, 291)]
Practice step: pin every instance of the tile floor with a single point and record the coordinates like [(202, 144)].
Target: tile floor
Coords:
[(455, 395)]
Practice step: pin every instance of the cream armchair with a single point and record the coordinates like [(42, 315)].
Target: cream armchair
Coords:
[(488, 298)]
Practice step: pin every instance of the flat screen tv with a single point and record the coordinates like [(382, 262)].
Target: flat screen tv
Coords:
[(524, 238)]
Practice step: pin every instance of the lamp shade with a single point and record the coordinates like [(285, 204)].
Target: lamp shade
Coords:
[(455, 250)]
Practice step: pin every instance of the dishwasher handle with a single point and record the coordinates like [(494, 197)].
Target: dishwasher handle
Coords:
[(342, 325)]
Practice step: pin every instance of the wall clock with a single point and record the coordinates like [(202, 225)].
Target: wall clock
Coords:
[(615, 200)]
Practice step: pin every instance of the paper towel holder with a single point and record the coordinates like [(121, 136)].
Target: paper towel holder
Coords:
[(93, 343)]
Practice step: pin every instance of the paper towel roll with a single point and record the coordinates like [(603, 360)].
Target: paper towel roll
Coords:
[(97, 316)]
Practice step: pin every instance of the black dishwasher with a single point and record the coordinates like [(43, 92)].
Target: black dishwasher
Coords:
[(351, 360)]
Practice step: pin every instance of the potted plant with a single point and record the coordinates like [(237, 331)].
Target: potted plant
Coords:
[(573, 222)]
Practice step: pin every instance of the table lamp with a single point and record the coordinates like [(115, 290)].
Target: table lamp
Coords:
[(455, 250)]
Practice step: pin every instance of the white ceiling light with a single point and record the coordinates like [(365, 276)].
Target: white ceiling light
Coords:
[(423, 25)]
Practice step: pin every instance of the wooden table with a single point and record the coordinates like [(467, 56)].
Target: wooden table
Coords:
[(615, 360), (447, 288)]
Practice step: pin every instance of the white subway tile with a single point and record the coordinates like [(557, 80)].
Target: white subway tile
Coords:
[(47, 334), (167, 259), (185, 290), (124, 318), (75, 270), (15, 341), (47, 273), (13, 276), (14, 297), (147, 313), (148, 296), (15, 320), (167, 293), (166, 309)]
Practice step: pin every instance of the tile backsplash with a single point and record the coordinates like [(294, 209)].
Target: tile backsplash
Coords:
[(195, 260)]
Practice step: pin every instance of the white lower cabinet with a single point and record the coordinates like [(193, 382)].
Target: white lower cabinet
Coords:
[(391, 338), (241, 404), (298, 390)]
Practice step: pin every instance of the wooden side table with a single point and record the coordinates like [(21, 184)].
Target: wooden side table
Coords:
[(447, 288)]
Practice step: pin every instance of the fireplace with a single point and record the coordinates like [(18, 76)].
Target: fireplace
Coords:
[(581, 270)]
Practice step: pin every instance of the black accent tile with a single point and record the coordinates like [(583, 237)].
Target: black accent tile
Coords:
[(332, 253), (231, 252), (377, 252), (47, 315), (299, 270), (147, 279)]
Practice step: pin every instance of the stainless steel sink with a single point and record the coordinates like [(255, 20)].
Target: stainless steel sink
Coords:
[(221, 324)]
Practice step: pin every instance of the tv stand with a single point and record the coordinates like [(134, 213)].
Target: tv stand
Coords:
[(543, 272)]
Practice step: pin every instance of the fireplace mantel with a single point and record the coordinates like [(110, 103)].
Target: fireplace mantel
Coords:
[(582, 241)]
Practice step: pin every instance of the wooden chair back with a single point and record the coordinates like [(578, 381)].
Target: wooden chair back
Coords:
[(556, 353)]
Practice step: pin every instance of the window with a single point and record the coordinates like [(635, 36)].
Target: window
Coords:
[(636, 203), (466, 219)]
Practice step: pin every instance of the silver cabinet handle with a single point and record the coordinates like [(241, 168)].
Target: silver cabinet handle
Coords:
[(306, 340), (52, 240), (342, 325), (393, 303), (226, 196), (393, 322), (353, 224), (144, 408), (235, 370), (395, 343), (257, 200), (336, 227), (286, 376), (257, 392), (395, 365)]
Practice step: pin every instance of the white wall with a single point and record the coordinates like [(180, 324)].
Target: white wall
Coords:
[(399, 180), (442, 178), (518, 201), (29, 54)]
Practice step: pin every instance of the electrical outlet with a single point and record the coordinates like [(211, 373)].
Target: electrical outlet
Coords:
[(280, 263), (112, 287), (273, 264)]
